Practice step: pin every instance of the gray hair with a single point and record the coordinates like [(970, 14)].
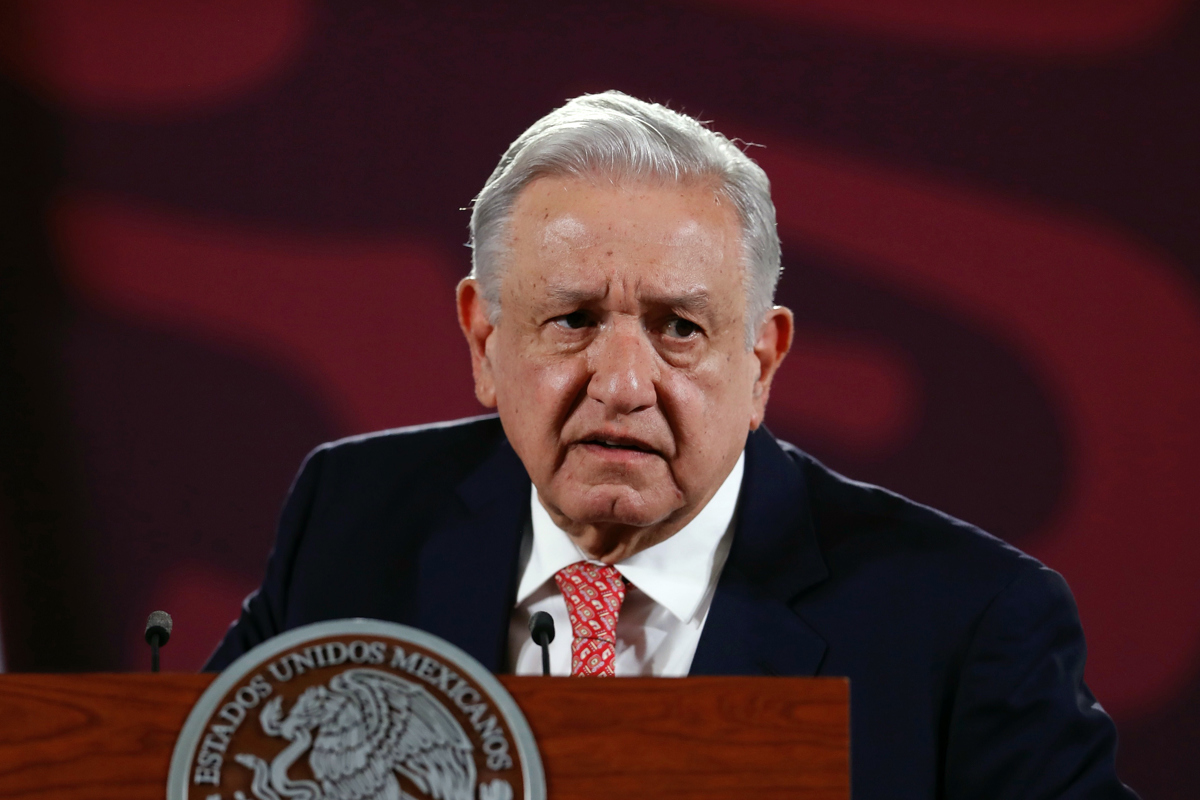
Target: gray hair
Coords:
[(620, 136)]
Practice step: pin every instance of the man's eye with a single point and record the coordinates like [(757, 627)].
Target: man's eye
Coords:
[(681, 328), (574, 321)]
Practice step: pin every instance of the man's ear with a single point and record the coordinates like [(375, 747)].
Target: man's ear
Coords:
[(473, 319), (774, 341)]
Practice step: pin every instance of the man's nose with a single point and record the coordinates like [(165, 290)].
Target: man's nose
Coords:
[(624, 369)]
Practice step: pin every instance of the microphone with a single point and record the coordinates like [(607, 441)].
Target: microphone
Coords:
[(541, 628), (158, 631)]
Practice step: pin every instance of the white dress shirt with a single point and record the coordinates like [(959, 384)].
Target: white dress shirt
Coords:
[(665, 607)]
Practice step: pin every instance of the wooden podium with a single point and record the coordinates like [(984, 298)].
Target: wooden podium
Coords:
[(111, 736)]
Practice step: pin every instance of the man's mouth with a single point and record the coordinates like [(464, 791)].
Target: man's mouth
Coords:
[(619, 443)]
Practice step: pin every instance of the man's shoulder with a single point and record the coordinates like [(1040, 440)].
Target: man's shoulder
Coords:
[(444, 451), (467, 434), (943, 627), (869, 528)]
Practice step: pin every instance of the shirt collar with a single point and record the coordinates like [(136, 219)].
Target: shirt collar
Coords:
[(676, 573)]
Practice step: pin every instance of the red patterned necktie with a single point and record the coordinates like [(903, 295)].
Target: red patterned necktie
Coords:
[(594, 594)]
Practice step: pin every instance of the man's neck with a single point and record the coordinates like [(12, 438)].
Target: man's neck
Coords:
[(612, 542)]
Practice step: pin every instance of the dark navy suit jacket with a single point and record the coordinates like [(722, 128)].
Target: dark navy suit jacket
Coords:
[(965, 655)]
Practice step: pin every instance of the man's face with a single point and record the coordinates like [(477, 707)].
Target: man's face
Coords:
[(619, 364)]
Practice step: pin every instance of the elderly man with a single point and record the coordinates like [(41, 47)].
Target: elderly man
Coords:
[(620, 320)]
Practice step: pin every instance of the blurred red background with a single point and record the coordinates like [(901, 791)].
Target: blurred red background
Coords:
[(231, 232)]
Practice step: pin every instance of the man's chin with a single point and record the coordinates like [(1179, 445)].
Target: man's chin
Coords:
[(616, 504)]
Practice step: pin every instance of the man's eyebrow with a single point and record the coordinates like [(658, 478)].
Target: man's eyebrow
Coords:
[(574, 297), (693, 300)]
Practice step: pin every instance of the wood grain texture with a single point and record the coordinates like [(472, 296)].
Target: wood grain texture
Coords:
[(91, 736), (690, 738), (111, 736)]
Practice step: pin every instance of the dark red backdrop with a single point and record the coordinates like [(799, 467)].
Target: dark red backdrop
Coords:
[(231, 232)]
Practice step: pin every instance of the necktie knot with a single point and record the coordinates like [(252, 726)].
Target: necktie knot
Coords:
[(594, 594)]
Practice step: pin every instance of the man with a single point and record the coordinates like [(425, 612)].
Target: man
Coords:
[(620, 320)]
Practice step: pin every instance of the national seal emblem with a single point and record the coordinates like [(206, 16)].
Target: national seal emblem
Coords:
[(356, 710)]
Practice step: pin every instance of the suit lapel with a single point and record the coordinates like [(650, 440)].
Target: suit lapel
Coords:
[(468, 565), (751, 628)]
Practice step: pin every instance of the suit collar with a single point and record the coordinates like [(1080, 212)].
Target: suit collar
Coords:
[(776, 545), (498, 475), (468, 566), (751, 627)]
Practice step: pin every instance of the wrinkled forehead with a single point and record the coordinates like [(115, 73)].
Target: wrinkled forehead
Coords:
[(569, 232), (586, 228)]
